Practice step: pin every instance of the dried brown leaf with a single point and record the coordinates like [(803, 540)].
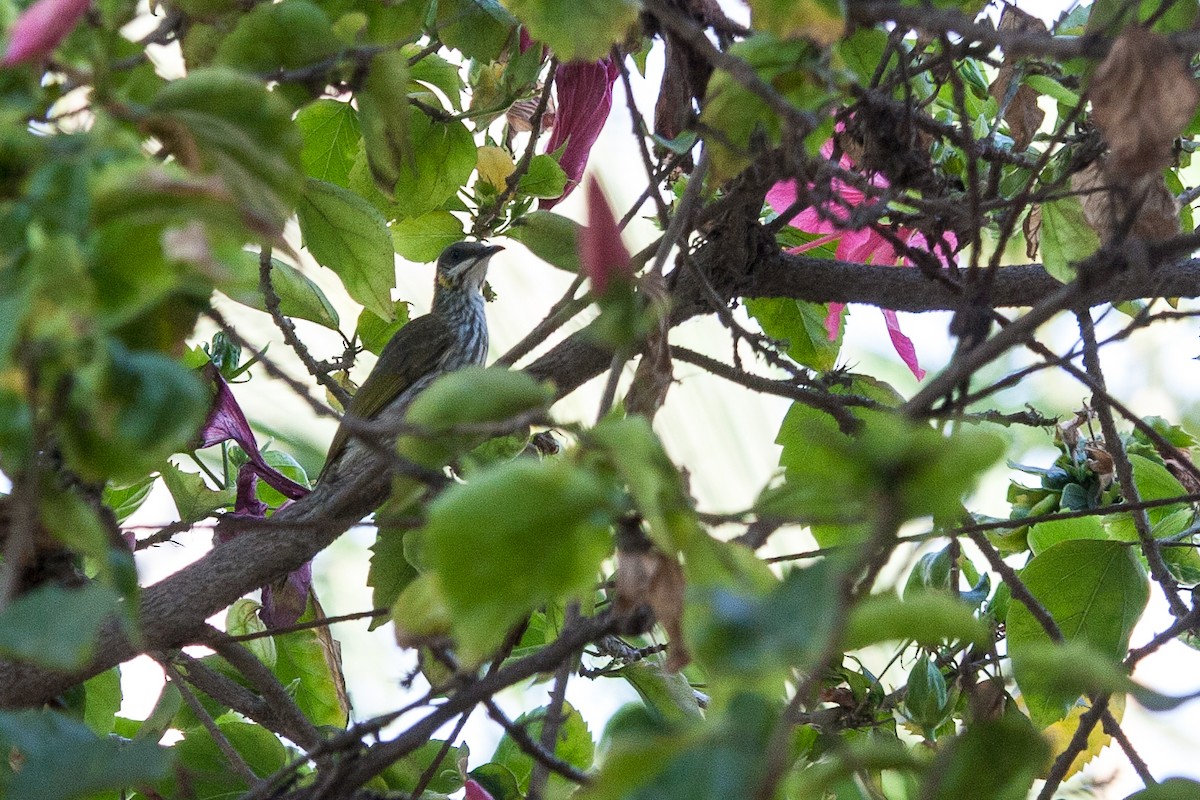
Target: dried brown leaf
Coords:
[(1142, 97), (1107, 203), (655, 371), (674, 109), (650, 578), (1022, 113), (1033, 231)]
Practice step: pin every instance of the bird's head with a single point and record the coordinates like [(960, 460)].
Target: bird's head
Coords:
[(463, 266)]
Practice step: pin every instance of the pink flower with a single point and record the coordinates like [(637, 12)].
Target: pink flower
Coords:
[(601, 250), (863, 246), (584, 92), (41, 28)]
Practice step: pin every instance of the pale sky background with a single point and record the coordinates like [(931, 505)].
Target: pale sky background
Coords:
[(721, 433)]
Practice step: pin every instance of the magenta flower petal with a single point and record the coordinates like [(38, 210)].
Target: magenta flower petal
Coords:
[(903, 344), (475, 791), (584, 92), (601, 250), (833, 320), (781, 196), (41, 28), (226, 421)]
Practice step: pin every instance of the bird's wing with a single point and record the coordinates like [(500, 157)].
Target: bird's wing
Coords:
[(410, 355)]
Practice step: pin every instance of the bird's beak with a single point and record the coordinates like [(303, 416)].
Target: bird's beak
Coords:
[(478, 265)]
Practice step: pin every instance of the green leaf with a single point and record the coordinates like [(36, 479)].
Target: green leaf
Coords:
[(577, 30), (273, 36), (802, 325), (926, 697), (716, 763), (668, 694), (545, 178), (478, 29), (831, 474), (497, 780), (348, 235), (637, 455), (389, 572), (194, 499), (1095, 591), (1155, 482), (125, 500), (862, 51), (102, 701), (375, 333), (304, 658), (536, 531), (436, 71), (1170, 789), (740, 116), (420, 612), (56, 628), (574, 745), (927, 617), (405, 774), (551, 237), (990, 760), (46, 741), (220, 122), (128, 411), (299, 296), (207, 772), (1044, 84), (740, 634), (1047, 534), (422, 239), (242, 619), (821, 21), (331, 140), (1109, 17), (1067, 238), (384, 115), (469, 396), (440, 163)]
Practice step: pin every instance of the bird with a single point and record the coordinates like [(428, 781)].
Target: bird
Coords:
[(451, 336)]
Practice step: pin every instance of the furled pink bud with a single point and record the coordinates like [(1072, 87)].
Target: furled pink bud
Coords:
[(584, 92), (41, 28), (601, 250)]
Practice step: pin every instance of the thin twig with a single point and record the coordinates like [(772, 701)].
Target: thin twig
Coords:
[(288, 329)]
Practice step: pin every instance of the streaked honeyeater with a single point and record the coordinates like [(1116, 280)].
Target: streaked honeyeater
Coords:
[(451, 336)]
